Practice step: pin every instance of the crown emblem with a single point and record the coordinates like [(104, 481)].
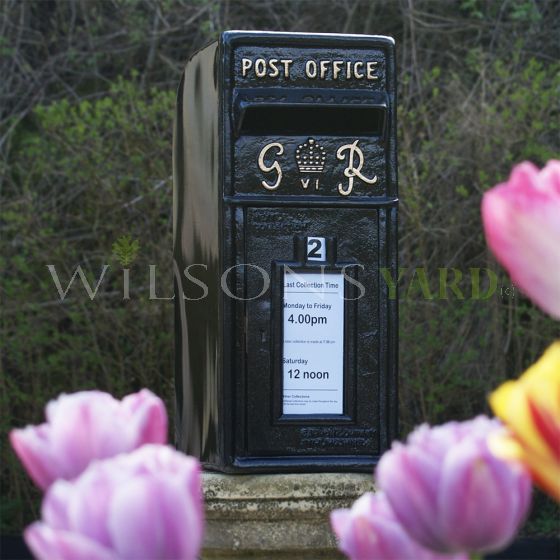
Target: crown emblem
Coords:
[(310, 157)]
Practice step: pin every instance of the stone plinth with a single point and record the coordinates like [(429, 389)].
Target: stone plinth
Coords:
[(276, 516)]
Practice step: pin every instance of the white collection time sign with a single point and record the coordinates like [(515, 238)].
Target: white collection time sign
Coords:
[(313, 346)]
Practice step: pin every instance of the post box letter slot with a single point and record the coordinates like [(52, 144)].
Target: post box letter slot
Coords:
[(331, 120)]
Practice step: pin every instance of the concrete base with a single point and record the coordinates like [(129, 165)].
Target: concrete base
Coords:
[(276, 516)]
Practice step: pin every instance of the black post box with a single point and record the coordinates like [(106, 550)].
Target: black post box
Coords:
[(285, 215)]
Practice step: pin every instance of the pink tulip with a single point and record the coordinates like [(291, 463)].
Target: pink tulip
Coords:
[(522, 225), (145, 504), (369, 531), (450, 493), (85, 426)]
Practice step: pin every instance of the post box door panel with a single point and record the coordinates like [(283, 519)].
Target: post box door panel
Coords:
[(264, 429)]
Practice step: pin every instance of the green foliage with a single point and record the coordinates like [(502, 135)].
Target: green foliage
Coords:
[(125, 249), (454, 352), (78, 174), (544, 519)]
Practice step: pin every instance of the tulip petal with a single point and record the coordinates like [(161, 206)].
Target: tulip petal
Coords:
[(150, 417), (90, 502), (522, 226), (547, 426), (85, 426), (88, 425), (409, 479), (341, 522), (356, 541), (549, 178), (449, 492), (482, 485), (530, 407), (49, 544), (32, 446), (144, 504), (370, 531), (151, 518), (55, 506)]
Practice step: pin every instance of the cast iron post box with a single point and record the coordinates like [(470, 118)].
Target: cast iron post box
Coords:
[(285, 215)]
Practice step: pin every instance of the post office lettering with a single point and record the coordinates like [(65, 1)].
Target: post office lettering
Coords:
[(325, 69)]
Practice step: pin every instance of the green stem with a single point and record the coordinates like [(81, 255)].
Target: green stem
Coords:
[(476, 556)]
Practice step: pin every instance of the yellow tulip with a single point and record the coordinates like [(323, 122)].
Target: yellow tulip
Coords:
[(530, 408)]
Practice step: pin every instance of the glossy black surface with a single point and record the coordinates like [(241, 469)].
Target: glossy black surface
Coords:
[(197, 240), (228, 349)]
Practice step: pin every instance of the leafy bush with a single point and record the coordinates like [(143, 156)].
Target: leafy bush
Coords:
[(81, 175)]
